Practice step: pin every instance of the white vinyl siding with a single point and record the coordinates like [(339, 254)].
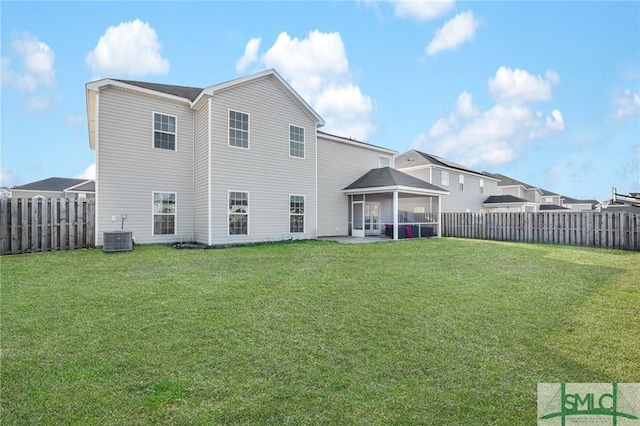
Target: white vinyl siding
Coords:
[(201, 174), (164, 131), (339, 165), (296, 213), (130, 168), (296, 141), (238, 129), (266, 171)]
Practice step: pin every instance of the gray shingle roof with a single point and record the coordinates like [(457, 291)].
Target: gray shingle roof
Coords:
[(387, 176), (439, 161), (51, 184), (190, 93), (551, 207), (507, 181), (569, 200), (497, 199), (320, 132)]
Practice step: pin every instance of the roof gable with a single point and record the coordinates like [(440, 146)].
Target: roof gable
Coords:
[(272, 74)]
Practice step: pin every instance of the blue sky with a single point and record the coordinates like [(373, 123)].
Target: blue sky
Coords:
[(545, 92)]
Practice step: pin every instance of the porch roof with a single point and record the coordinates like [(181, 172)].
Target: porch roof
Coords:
[(387, 179)]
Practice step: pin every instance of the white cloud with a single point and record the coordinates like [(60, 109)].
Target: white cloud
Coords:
[(628, 104), (37, 60), (250, 54), (318, 69), (88, 173), (495, 136), (518, 86), (465, 107), (454, 32), (422, 10), (131, 49), (38, 104), (74, 122)]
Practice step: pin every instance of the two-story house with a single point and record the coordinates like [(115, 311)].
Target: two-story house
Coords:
[(468, 188), (237, 162)]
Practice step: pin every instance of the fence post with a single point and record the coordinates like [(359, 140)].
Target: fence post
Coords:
[(4, 225)]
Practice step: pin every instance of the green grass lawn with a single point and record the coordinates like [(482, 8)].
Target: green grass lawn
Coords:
[(437, 331)]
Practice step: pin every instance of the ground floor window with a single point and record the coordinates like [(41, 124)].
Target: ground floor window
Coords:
[(164, 213), (296, 213), (238, 213)]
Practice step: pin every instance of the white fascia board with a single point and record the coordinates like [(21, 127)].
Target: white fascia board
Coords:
[(399, 188), (71, 188), (364, 145)]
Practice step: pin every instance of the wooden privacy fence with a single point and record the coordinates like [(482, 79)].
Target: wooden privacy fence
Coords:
[(620, 230), (30, 225)]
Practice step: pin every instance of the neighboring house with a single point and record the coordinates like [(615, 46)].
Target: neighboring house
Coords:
[(508, 203), (237, 162), (531, 195), (468, 189), (579, 205), (56, 187)]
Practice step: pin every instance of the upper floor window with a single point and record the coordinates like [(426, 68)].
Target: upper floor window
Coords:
[(385, 161), (445, 178), (238, 213), (549, 200), (164, 213), (238, 129), (461, 182), (296, 213), (482, 186), (164, 131), (296, 141)]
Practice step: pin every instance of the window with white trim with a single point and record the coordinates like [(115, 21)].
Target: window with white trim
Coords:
[(164, 131), (445, 178), (549, 200), (482, 186), (385, 161), (461, 182), (296, 141), (238, 129), (164, 213), (238, 213), (296, 213)]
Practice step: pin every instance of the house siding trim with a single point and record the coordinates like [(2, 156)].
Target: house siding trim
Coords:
[(209, 189), (96, 141)]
